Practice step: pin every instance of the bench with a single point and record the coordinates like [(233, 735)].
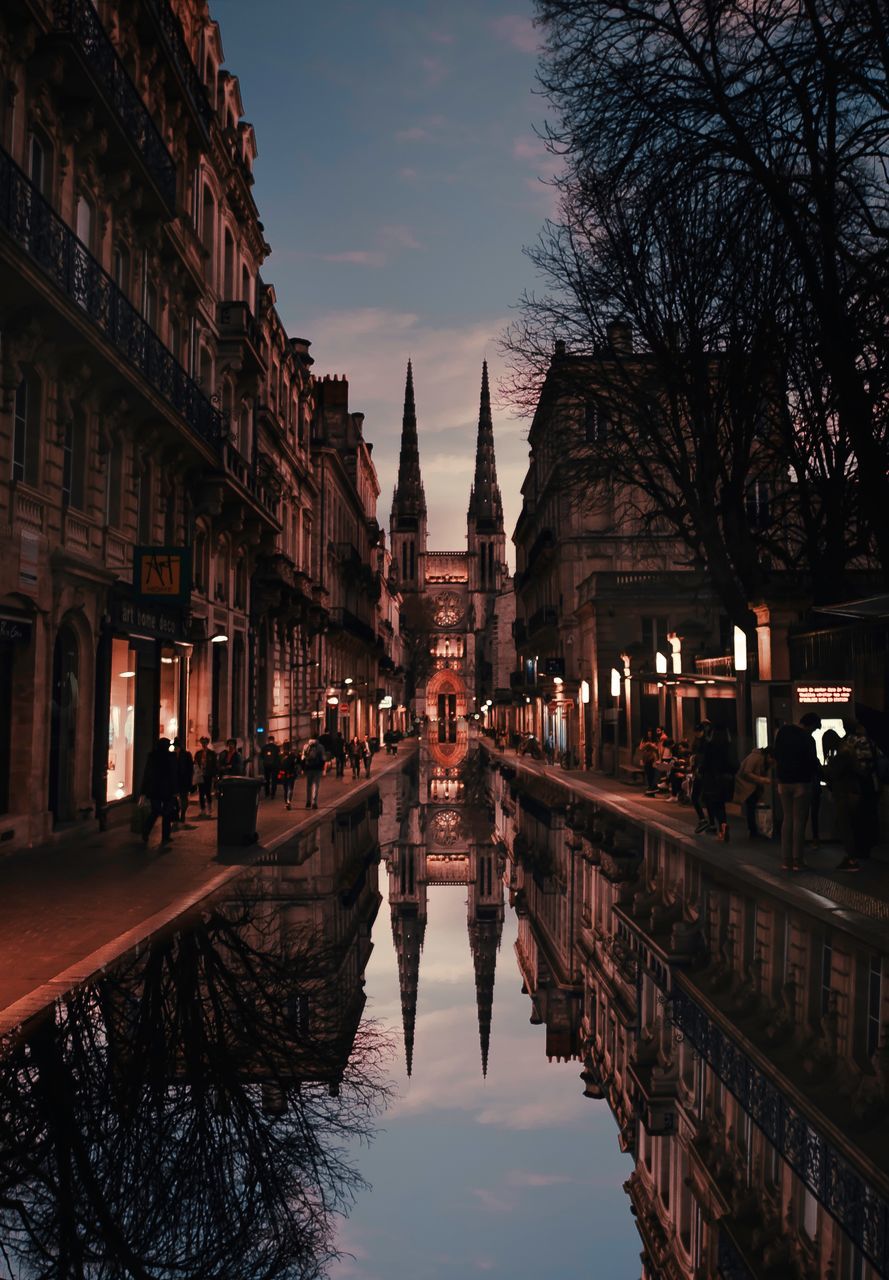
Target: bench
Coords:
[(631, 773)]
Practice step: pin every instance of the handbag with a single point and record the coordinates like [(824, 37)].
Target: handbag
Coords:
[(139, 816)]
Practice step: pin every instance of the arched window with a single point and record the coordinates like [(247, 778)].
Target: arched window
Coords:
[(171, 511), (121, 266), (145, 517), (244, 430), (240, 601), (40, 164), (206, 371), (245, 284), (83, 222), (74, 461), (228, 253), (26, 430), (222, 574)]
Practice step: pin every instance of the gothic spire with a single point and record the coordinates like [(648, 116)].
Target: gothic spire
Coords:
[(409, 498), (485, 503), (408, 928), (484, 941)]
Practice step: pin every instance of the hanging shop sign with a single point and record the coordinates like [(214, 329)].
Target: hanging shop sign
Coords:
[(162, 573)]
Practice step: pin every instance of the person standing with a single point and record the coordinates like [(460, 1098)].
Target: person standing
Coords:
[(698, 742), (796, 765), (159, 786), (843, 777), (649, 754), (750, 784), (205, 770), (313, 759), (184, 777), (549, 749), (866, 755), (719, 764), (289, 765), (271, 758), (231, 763), (339, 754)]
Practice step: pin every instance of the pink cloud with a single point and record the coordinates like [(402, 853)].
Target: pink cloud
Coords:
[(414, 134), (407, 174), (517, 31), (399, 236), (526, 1178), (358, 257), (529, 148), (491, 1201), (441, 37), (435, 71)]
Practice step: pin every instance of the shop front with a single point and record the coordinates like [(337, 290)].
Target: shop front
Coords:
[(16, 653), (142, 691)]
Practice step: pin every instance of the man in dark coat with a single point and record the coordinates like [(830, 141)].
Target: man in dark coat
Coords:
[(184, 776), (796, 767), (159, 786), (271, 764)]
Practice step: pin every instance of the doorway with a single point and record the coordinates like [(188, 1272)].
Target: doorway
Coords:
[(63, 731)]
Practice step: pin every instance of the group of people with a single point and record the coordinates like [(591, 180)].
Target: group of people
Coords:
[(172, 774), (705, 772)]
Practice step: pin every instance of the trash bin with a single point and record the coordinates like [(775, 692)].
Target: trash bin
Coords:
[(237, 811)]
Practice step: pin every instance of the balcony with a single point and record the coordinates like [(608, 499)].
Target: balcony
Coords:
[(172, 40), (237, 324), (54, 249), (349, 622), (543, 619), (106, 79), (261, 492)]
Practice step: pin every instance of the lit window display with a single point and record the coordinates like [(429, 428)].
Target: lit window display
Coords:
[(168, 713), (121, 720)]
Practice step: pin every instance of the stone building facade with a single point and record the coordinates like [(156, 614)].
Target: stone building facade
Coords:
[(162, 479), (737, 1033)]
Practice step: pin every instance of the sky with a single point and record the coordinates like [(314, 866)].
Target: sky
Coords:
[(398, 178)]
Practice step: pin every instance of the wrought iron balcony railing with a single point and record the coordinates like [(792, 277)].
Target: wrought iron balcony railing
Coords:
[(78, 20), (53, 247), (855, 1204), (173, 40), (544, 617)]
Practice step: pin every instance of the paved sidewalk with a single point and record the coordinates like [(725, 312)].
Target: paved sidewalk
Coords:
[(67, 911), (859, 901)]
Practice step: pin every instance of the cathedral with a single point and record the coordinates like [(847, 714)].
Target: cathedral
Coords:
[(470, 609)]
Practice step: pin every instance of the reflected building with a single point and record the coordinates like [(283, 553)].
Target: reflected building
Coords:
[(438, 839), (736, 1031)]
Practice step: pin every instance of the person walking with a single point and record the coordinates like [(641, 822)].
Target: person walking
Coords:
[(719, 764), (698, 742), (289, 768), (205, 771), (339, 754), (867, 756), (184, 777), (796, 764), (354, 752), (649, 754), (366, 755), (159, 786), (549, 749), (843, 777), (754, 775), (313, 759), (271, 764)]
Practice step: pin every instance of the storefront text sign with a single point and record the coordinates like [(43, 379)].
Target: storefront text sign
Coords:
[(823, 693), (14, 630), (153, 620), (162, 573)]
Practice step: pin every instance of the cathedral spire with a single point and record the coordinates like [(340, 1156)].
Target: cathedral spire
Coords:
[(484, 942), (485, 503), (409, 499)]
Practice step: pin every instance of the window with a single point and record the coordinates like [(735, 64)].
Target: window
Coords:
[(74, 462), (758, 504), (26, 431), (199, 568), (595, 423), (874, 999), (826, 969), (208, 233), (121, 268), (228, 286), (171, 511), (39, 164), (144, 518), (152, 307), (83, 222), (240, 600)]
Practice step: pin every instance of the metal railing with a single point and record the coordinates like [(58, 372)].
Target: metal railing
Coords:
[(78, 20), (730, 1264), (172, 37), (53, 247), (859, 1209)]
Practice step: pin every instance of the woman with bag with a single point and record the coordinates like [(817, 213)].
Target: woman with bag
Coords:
[(719, 764)]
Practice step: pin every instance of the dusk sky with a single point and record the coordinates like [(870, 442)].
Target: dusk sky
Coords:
[(398, 178)]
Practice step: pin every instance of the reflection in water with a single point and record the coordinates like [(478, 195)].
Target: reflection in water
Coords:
[(738, 1038), (191, 1113)]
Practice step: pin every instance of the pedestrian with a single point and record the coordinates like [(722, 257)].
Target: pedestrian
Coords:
[(649, 754), (313, 759), (366, 755), (159, 786), (796, 764), (230, 764), (698, 742), (271, 765), (355, 753), (843, 776), (339, 754), (754, 775), (679, 766), (719, 764), (867, 756), (289, 768), (326, 740), (549, 749), (184, 777), (205, 772)]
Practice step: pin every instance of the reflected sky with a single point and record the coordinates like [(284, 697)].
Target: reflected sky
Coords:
[(516, 1175)]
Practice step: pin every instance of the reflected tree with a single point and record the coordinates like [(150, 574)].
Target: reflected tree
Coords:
[(193, 1114)]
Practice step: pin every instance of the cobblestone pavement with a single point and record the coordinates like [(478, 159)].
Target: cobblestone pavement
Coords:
[(864, 896), (67, 910)]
